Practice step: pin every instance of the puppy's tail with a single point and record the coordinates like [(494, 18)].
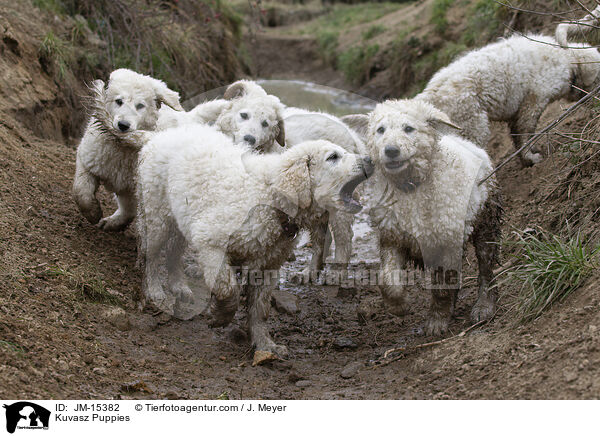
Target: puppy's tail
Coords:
[(584, 25)]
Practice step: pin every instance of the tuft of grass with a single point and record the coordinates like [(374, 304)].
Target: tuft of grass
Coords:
[(328, 43), (342, 17), (483, 23), (10, 346), (549, 269), (373, 31), (438, 15), (223, 396), (91, 288), (56, 51), (355, 62)]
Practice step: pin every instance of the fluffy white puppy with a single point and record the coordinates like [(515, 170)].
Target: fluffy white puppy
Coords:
[(235, 209), (107, 153)]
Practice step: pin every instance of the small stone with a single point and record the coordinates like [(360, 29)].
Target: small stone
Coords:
[(261, 357), (118, 318), (343, 342), (99, 371), (294, 377), (570, 375), (138, 386), (303, 383), (284, 302), (351, 370)]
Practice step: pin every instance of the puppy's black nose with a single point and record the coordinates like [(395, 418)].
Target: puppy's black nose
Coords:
[(123, 126), (391, 152), (250, 139)]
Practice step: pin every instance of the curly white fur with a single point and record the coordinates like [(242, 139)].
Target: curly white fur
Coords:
[(129, 103), (304, 125), (582, 26), (427, 198), (246, 113), (510, 80), (231, 206)]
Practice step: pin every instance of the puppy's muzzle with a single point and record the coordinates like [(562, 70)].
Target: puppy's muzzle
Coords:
[(352, 205), (123, 125)]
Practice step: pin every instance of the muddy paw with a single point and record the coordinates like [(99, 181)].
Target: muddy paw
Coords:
[(183, 293), (112, 224), (93, 214), (396, 307), (436, 325), (279, 350), (482, 311)]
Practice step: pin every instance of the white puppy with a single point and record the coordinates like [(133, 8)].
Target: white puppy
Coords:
[(107, 153), (235, 209)]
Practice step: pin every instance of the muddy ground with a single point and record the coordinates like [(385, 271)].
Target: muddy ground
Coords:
[(70, 327)]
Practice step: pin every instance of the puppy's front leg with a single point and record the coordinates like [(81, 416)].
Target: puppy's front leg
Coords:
[(85, 186), (124, 214), (259, 303), (317, 238), (392, 290), (221, 278), (341, 227)]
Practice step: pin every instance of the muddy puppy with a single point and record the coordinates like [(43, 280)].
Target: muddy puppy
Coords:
[(108, 151), (428, 202), (238, 210)]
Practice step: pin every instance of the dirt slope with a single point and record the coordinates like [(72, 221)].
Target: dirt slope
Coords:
[(58, 341)]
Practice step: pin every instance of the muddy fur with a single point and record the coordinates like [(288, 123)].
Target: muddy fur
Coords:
[(428, 203), (121, 115), (189, 180)]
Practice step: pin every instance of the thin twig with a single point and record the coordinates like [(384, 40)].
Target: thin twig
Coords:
[(549, 127), (426, 345)]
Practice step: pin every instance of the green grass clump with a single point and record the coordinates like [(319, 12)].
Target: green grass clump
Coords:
[(373, 31), (328, 43), (438, 15), (91, 288), (12, 347), (342, 17), (55, 50), (355, 62), (549, 269), (483, 23)]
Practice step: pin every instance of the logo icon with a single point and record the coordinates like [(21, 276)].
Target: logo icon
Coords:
[(26, 415)]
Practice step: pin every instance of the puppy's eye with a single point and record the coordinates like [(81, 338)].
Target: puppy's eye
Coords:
[(409, 129), (119, 102), (333, 157), (380, 130), (264, 124), (140, 106), (244, 115)]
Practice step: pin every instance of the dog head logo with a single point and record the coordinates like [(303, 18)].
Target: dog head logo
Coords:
[(26, 415)]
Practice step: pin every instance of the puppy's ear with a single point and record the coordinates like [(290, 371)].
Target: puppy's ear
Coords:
[(281, 135), (439, 120), (235, 90), (166, 95), (359, 123), (293, 185)]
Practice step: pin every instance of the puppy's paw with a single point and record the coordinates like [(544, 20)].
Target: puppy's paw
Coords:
[(483, 310), (279, 350), (112, 224), (183, 293), (92, 214), (437, 324), (222, 312), (396, 306)]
